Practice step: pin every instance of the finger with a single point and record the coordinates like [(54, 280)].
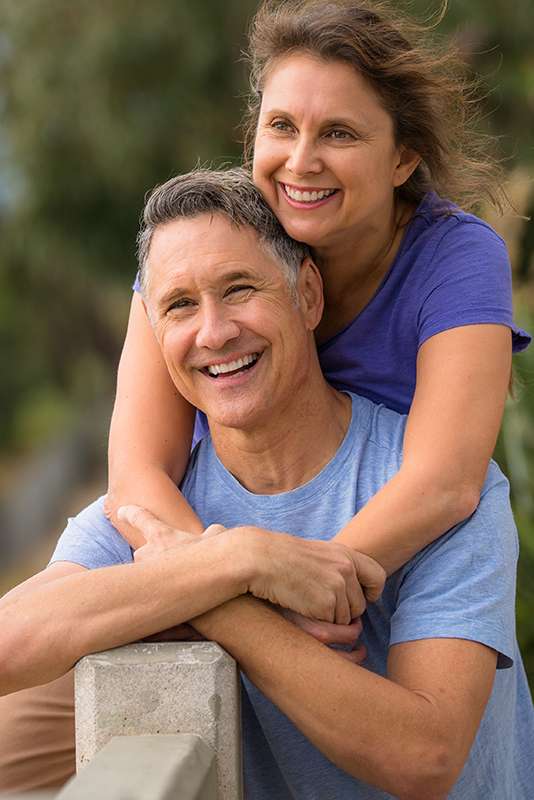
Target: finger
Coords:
[(370, 575), (355, 595), (329, 633), (213, 530), (343, 613), (354, 656), (144, 521)]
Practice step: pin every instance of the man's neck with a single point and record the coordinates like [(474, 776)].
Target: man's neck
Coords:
[(292, 446)]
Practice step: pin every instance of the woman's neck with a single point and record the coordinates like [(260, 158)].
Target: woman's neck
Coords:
[(353, 271), (351, 263)]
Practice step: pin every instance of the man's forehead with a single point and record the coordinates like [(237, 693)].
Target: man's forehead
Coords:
[(205, 249)]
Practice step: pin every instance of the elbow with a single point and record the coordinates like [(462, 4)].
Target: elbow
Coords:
[(432, 775), (13, 655), (464, 503), (451, 502)]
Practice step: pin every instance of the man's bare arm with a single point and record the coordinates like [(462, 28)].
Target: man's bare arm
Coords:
[(408, 735), (66, 611), (47, 625)]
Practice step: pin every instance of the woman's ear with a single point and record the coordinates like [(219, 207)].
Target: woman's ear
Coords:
[(310, 293), (408, 161)]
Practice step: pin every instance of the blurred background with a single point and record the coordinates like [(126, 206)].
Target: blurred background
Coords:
[(99, 101)]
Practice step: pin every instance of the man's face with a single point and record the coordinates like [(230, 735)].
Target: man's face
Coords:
[(236, 342)]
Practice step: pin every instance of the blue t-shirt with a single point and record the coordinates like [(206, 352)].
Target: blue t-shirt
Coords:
[(461, 586)]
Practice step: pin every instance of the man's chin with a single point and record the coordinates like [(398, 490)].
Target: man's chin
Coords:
[(244, 418)]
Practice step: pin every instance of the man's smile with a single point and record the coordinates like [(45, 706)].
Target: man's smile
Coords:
[(231, 367)]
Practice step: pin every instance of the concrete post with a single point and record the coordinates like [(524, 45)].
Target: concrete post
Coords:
[(162, 688), (147, 768)]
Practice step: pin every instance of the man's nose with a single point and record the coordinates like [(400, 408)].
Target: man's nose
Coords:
[(216, 325), (304, 157)]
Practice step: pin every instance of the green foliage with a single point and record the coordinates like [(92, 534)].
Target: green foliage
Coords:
[(101, 101)]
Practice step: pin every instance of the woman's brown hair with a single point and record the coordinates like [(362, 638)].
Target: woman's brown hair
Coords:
[(421, 83)]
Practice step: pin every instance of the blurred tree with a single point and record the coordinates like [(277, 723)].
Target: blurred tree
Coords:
[(99, 102)]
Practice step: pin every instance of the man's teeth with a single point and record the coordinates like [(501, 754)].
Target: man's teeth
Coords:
[(307, 197), (232, 366)]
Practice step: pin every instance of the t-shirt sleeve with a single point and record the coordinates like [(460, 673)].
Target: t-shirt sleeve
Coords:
[(91, 541), (467, 282), (463, 585)]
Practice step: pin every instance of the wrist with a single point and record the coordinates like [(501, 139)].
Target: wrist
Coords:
[(249, 555)]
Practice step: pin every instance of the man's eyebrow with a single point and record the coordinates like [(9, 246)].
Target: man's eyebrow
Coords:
[(177, 291), (239, 275), (174, 293)]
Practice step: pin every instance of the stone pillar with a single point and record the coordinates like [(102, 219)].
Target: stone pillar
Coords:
[(162, 688), (147, 768)]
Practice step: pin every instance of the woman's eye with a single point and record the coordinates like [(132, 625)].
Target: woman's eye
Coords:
[(281, 125), (339, 135)]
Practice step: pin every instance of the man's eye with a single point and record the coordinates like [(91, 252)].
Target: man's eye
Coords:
[(182, 303), (239, 290)]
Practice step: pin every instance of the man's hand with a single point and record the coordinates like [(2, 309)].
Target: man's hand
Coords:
[(317, 579), (322, 580), (159, 536)]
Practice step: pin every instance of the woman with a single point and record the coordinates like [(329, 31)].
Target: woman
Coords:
[(353, 130)]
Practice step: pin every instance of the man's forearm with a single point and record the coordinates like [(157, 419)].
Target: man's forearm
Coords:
[(47, 628), (373, 728)]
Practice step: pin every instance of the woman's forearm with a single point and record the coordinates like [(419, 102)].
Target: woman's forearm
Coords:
[(462, 381), (407, 514), (152, 488), (150, 434)]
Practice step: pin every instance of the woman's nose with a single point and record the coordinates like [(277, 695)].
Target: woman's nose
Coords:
[(304, 157)]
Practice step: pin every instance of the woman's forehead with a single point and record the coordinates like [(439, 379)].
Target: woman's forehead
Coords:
[(302, 83)]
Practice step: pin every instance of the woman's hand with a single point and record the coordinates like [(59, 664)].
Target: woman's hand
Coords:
[(331, 634)]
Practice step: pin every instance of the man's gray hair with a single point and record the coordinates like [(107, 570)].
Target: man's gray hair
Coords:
[(229, 192)]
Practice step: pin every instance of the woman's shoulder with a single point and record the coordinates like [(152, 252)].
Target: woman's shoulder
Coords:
[(443, 224), (444, 240)]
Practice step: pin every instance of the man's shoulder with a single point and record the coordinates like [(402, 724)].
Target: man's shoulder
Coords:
[(378, 425), (90, 540)]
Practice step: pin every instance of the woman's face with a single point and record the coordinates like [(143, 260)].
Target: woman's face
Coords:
[(325, 156)]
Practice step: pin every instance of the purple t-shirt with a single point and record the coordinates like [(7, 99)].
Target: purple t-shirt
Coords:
[(452, 269)]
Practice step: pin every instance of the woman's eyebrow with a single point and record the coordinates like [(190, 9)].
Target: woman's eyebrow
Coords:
[(349, 122)]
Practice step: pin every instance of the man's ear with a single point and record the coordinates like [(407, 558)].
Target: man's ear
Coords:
[(408, 161), (310, 293)]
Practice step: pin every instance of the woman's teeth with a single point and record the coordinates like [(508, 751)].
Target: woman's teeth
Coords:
[(232, 366), (307, 197)]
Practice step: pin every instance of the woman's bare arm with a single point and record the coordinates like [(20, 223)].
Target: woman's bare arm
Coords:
[(462, 381), (150, 436)]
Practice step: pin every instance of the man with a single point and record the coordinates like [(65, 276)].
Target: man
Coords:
[(442, 707)]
